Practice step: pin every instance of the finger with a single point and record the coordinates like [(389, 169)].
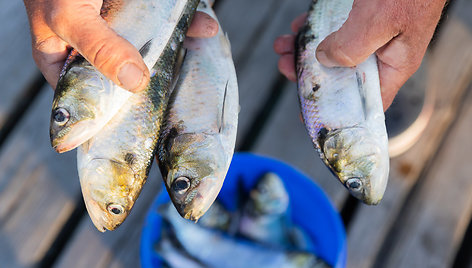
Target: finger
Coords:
[(285, 44), (50, 55), (203, 25), (298, 22), (287, 66), (398, 60), (81, 26), (367, 28)]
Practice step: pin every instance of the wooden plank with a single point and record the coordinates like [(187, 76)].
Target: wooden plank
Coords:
[(17, 68), (463, 11), (449, 74), (285, 138), (38, 188), (260, 69), (241, 19), (434, 223)]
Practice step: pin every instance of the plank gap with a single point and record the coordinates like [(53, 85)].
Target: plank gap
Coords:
[(256, 36), (348, 210), (265, 112), (24, 102), (65, 234)]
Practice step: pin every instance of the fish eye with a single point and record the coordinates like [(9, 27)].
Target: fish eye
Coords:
[(115, 209), (181, 185), (61, 116), (354, 184)]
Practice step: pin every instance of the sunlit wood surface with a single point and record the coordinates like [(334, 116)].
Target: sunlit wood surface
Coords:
[(423, 221)]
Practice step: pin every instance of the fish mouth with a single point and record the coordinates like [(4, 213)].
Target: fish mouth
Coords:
[(356, 152), (200, 198), (62, 148), (103, 182), (73, 136), (99, 222)]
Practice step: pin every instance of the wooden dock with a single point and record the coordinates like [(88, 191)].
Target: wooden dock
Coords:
[(423, 221)]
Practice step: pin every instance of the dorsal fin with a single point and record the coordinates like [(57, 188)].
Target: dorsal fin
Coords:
[(145, 48), (222, 117), (360, 87)]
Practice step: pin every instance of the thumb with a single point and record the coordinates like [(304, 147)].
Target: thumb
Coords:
[(80, 24), (367, 29)]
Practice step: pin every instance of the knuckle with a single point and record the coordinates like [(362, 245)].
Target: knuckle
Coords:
[(104, 54), (101, 54), (339, 55), (43, 45)]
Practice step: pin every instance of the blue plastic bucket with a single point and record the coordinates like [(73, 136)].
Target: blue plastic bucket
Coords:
[(310, 208)]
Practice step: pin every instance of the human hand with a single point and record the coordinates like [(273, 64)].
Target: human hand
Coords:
[(57, 25), (398, 31)]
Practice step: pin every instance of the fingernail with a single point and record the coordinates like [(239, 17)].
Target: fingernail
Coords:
[(323, 59), (130, 76)]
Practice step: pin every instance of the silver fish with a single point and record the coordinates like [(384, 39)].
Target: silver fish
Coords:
[(265, 216), (215, 249), (85, 100), (114, 164), (199, 134), (342, 107), (173, 256)]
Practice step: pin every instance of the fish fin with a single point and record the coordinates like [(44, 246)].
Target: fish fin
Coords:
[(221, 119), (180, 60), (85, 146), (144, 50), (360, 87), (226, 45), (177, 66)]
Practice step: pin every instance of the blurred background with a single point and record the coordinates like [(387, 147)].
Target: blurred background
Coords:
[(423, 221)]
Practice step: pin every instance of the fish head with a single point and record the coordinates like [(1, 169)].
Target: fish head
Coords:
[(269, 197), (77, 106), (358, 158), (109, 191), (194, 168)]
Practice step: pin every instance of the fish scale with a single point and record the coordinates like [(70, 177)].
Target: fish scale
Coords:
[(220, 250), (342, 107), (85, 96), (199, 133), (114, 164)]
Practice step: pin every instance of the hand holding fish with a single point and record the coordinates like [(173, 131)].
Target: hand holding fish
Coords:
[(57, 25), (397, 31)]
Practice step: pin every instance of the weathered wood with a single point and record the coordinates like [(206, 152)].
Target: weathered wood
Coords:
[(285, 138), (38, 188), (449, 74), (432, 226), (240, 19), (17, 69), (260, 70)]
